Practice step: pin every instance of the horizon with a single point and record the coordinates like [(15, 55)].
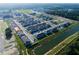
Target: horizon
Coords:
[(36, 5)]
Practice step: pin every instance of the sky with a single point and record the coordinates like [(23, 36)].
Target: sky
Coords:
[(36, 5)]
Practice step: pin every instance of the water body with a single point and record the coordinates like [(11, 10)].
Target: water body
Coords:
[(44, 48)]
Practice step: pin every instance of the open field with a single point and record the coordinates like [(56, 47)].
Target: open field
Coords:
[(69, 49), (27, 11), (64, 43), (3, 26), (6, 46), (8, 22)]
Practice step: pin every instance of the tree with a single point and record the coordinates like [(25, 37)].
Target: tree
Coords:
[(8, 33)]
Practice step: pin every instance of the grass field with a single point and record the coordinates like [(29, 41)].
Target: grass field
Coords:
[(8, 22), (63, 44), (27, 11), (67, 49)]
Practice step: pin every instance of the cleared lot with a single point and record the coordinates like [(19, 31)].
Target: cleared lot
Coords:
[(3, 26), (6, 46)]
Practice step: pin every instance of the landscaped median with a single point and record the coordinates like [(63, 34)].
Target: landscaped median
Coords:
[(63, 44)]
